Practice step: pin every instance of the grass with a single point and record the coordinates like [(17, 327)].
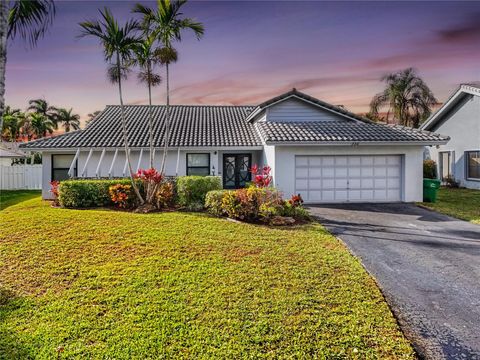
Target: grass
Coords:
[(104, 284), (12, 197), (460, 203)]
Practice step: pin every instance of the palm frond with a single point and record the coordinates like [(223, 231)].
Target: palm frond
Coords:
[(30, 19)]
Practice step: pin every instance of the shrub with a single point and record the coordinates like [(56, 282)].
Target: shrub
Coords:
[(151, 180), (451, 182), (165, 196), (429, 169), (191, 190), (87, 193), (261, 177), (54, 190), (245, 204), (121, 195), (213, 202)]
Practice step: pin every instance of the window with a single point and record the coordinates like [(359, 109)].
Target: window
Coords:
[(61, 165), (198, 164), (473, 164)]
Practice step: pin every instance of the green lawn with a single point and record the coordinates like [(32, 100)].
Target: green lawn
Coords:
[(104, 284), (460, 203), (11, 197)]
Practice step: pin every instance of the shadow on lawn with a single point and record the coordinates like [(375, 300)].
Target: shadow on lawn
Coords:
[(12, 197), (10, 346)]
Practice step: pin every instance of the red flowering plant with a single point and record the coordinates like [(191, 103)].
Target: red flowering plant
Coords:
[(151, 180), (54, 190), (261, 176), (296, 200), (120, 195)]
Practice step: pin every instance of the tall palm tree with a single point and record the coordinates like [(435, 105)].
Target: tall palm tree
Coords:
[(41, 106), (92, 116), (12, 123), (166, 24), (67, 119), (117, 45), (407, 97), (145, 56), (29, 19), (39, 125)]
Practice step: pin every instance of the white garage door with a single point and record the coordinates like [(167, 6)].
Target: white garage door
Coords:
[(331, 179)]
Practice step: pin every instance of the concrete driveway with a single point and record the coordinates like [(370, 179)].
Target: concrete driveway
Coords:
[(427, 265)]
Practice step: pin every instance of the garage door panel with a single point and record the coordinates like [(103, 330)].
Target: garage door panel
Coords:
[(301, 160), (366, 178)]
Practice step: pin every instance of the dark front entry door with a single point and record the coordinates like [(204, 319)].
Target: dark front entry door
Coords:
[(236, 170)]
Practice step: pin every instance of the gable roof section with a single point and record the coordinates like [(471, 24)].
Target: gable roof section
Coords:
[(344, 133), (294, 93), (462, 90), (191, 126)]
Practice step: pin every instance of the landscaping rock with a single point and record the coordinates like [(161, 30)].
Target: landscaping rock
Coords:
[(145, 209), (282, 220)]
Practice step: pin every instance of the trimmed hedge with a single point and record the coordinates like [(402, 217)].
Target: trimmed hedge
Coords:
[(87, 193), (429, 169), (191, 190)]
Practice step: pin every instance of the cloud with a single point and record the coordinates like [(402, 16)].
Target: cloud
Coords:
[(468, 31)]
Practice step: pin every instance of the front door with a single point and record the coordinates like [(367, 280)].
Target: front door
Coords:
[(236, 170)]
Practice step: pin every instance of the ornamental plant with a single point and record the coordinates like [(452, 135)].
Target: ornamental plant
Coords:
[(261, 176), (165, 196), (151, 180), (54, 190), (296, 200), (120, 195)]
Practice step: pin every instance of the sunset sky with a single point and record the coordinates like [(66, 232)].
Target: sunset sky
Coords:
[(251, 51)]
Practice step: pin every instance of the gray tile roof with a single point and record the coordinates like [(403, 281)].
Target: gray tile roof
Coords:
[(191, 126), (311, 132)]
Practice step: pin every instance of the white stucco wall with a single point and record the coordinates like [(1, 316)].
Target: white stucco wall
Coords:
[(216, 163), (284, 165), (463, 126)]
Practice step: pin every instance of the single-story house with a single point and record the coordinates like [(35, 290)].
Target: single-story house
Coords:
[(9, 153), (322, 151), (459, 118)]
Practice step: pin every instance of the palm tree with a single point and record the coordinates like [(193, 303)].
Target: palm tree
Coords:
[(29, 19), (407, 96), (166, 24), (41, 106), (92, 116), (39, 125), (146, 58), (12, 123), (67, 119), (117, 45)]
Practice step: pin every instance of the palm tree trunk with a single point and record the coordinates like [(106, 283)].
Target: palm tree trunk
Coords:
[(125, 140), (167, 123), (150, 122), (3, 55)]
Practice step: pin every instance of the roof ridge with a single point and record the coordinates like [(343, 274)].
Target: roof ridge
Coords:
[(179, 105)]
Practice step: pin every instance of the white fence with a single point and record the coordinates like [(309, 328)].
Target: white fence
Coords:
[(20, 177)]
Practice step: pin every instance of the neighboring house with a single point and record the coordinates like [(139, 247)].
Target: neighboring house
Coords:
[(9, 153), (323, 152), (459, 118)]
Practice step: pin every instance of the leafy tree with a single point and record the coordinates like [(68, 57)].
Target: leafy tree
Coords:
[(118, 42), (28, 19), (166, 24), (67, 119), (407, 97), (13, 120)]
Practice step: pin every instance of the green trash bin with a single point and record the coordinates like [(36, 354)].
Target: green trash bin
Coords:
[(430, 190)]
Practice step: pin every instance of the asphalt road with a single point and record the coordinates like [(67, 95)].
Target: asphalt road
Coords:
[(427, 265)]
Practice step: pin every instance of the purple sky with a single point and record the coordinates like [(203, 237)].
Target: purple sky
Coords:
[(251, 51)]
